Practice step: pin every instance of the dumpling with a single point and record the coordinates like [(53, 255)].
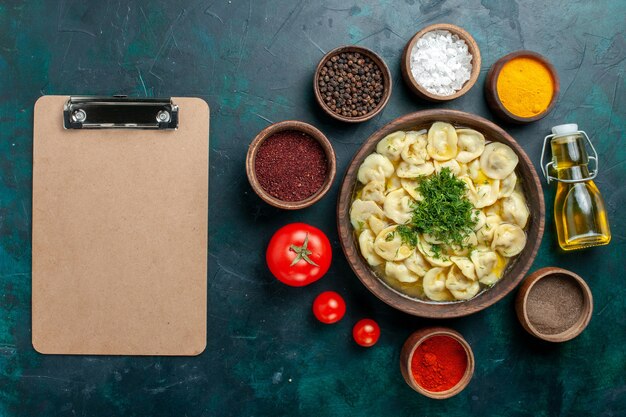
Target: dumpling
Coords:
[(486, 266), (417, 263), (460, 286), (393, 183), (452, 165), (469, 242), (391, 145), (470, 143), (481, 194), (463, 170), (485, 233), (437, 259), (495, 208), (366, 243), (431, 239), (375, 167), (470, 190), (507, 185), (474, 172), (514, 209), (400, 272), (498, 160), (406, 170), (411, 187), (434, 283), (480, 219), (414, 151), (486, 193), (374, 191), (360, 212), (465, 265), (398, 206), (377, 225), (508, 239), (442, 141), (390, 247)]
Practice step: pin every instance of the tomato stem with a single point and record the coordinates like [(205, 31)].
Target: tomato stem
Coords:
[(303, 252)]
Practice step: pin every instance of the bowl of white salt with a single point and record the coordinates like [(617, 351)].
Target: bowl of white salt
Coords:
[(441, 62)]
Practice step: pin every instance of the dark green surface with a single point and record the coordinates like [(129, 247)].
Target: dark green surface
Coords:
[(266, 355)]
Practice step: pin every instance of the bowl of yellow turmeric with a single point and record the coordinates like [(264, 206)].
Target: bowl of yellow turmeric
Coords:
[(522, 87)]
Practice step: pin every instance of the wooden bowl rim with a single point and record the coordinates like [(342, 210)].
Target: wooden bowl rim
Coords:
[(378, 60), (472, 46), (432, 309), (416, 339), (300, 127), (568, 334), (491, 87)]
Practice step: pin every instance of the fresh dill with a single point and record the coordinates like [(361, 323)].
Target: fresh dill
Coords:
[(408, 234), (444, 212), (436, 250)]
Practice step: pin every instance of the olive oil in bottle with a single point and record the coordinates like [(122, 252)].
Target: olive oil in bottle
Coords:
[(579, 211)]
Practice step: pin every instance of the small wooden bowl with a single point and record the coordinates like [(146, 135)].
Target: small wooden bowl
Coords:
[(491, 88), (300, 127), (516, 269), (472, 46), (387, 85), (406, 357), (522, 298)]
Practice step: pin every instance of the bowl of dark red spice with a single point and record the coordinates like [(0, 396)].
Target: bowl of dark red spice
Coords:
[(291, 165), (437, 362), (554, 304), (352, 84)]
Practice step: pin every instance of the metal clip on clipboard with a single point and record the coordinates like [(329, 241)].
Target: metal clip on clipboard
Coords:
[(120, 112)]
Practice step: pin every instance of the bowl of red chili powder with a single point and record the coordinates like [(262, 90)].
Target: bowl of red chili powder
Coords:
[(291, 165), (437, 362)]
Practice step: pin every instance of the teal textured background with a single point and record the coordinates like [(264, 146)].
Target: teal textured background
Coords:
[(253, 62)]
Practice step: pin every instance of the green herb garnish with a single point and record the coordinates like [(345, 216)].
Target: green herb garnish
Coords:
[(436, 250), (444, 213), (408, 234)]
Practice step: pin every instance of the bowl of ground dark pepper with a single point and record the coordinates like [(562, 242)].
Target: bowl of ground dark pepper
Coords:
[(554, 304), (291, 165), (352, 84)]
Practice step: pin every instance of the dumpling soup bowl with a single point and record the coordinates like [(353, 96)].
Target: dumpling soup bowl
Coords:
[(516, 268)]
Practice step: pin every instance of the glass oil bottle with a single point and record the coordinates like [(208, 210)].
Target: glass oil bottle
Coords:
[(579, 211)]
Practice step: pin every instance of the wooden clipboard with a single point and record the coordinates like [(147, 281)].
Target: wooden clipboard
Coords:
[(120, 226)]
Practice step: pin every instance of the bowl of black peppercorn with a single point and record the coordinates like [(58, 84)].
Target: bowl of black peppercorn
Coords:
[(352, 83)]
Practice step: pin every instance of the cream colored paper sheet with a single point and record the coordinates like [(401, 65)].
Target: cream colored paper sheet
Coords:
[(120, 226)]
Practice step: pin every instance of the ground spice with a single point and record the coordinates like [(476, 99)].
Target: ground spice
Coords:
[(554, 304), (291, 165), (351, 84), (525, 86), (438, 363)]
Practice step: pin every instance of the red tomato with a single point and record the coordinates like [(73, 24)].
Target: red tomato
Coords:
[(329, 307), (299, 254), (366, 332)]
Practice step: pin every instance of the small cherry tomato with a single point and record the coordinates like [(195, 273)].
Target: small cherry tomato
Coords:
[(329, 307), (298, 254), (366, 332)]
